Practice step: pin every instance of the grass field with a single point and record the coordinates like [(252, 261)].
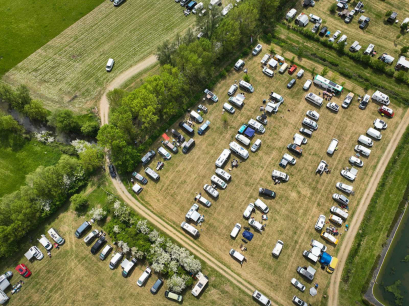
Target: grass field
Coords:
[(299, 202), (376, 225), (69, 71), (380, 33), (73, 276), (15, 165), (28, 25)]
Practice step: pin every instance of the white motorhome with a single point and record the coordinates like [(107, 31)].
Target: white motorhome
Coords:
[(196, 116), (55, 236), (257, 126), (190, 229), (218, 181), (310, 256), (314, 99), (260, 205), (374, 133), (365, 140), (236, 255), (115, 261), (243, 139), (291, 14), (280, 175), (339, 212), (381, 98), (265, 58), (332, 146), (223, 158), (362, 150), (239, 150), (278, 248), (202, 281), (237, 100), (317, 244), (223, 174), (152, 173), (246, 86), (127, 266), (262, 299)]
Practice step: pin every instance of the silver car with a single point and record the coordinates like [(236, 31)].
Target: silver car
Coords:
[(298, 285), (356, 161), (210, 190), (313, 115), (340, 198), (333, 106)]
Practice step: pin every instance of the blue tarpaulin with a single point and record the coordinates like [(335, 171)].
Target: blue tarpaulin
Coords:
[(249, 132), (248, 235), (325, 259)]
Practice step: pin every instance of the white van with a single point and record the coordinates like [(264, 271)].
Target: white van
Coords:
[(381, 98), (246, 86), (110, 65), (307, 85), (239, 64), (239, 150), (137, 189), (268, 72), (289, 158), (152, 173), (374, 133), (272, 63), (56, 236), (190, 229), (332, 146), (235, 231), (230, 109), (223, 158), (236, 101), (300, 73), (236, 255), (144, 277), (335, 219), (232, 89), (105, 252), (257, 126), (317, 244), (365, 140), (243, 139), (256, 225), (218, 181), (314, 99), (203, 201), (339, 212), (115, 260), (362, 150), (260, 205), (283, 68), (165, 154), (265, 58), (196, 116), (280, 175), (223, 174), (278, 248), (344, 187), (310, 123), (263, 300)]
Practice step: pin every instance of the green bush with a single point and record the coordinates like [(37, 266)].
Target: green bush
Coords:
[(333, 8), (388, 13), (404, 50), (79, 202), (246, 78), (246, 52), (223, 74)]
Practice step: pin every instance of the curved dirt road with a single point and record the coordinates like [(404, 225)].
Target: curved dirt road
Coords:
[(150, 216), (333, 292)]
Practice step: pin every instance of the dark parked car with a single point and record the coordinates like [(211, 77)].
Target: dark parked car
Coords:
[(291, 84), (364, 23), (156, 286), (148, 157), (112, 171), (97, 245), (118, 2), (267, 192), (323, 31)]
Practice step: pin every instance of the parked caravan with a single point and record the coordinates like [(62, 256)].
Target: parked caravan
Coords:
[(188, 145), (263, 300), (243, 139), (203, 201), (237, 256), (239, 150), (365, 141), (218, 181), (152, 173), (202, 129), (246, 86), (115, 260), (283, 68), (381, 98), (374, 133), (223, 158), (190, 229), (362, 150), (261, 206), (236, 101), (257, 126), (332, 146), (339, 212), (239, 64), (280, 175), (235, 231), (82, 229), (165, 154), (272, 63), (202, 281), (265, 58), (223, 174), (314, 99), (186, 127)]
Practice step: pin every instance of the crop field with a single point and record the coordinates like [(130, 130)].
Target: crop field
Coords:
[(299, 202), (379, 32), (73, 276), (69, 71)]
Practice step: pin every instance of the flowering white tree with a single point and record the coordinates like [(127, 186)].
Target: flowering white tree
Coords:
[(98, 213), (116, 229), (173, 266), (191, 264), (153, 236), (45, 204), (122, 211), (124, 246), (80, 145), (177, 284), (142, 227), (44, 136), (136, 253)]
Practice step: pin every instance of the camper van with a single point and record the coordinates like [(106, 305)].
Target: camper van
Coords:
[(218, 181), (105, 252), (236, 255), (223, 174), (137, 189), (374, 133), (127, 266), (188, 145), (355, 47), (291, 14), (261, 206), (314, 99), (243, 139), (190, 229), (203, 201), (335, 219), (239, 150), (369, 49), (55, 236), (257, 126), (283, 68), (202, 281), (362, 150), (152, 173), (82, 229), (381, 98), (265, 58), (365, 141), (144, 277), (115, 260), (239, 64), (223, 158), (263, 300), (348, 100), (332, 146), (202, 129), (230, 109), (280, 175), (236, 101), (279, 58), (110, 65), (165, 154), (339, 212), (235, 231), (329, 237), (196, 116), (310, 123), (186, 127), (246, 86)]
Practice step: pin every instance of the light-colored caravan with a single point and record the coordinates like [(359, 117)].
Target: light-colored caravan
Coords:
[(243, 139), (239, 150), (314, 99), (381, 98), (332, 146), (223, 158), (374, 133)]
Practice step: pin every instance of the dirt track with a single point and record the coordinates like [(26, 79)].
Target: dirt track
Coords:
[(359, 215)]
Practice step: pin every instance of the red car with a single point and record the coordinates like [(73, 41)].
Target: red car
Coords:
[(292, 69), (388, 112), (23, 270)]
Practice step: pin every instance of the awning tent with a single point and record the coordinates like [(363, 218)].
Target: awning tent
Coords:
[(325, 259), (249, 132), (248, 235)]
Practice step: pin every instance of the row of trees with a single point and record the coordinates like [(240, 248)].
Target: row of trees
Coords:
[(188, 65), (138, 239)]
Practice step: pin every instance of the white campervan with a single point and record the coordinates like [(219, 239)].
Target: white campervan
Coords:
[(235, 231), (283, 68), (115, 260), (239, 64), (257, 126), (243, 139), (314, 99), (223, 174), (381, 98), (332, 146), (239, 150), (190, 229), (280, 175), (237, 101), (265, 58), (260, 205), (165, 154), (362, 150), (218, 181), (263, 300), (236, 255), (339, 212), (374, 133), (365, 141), (144, 277), (246, 86), (223, 158), (196, 116)]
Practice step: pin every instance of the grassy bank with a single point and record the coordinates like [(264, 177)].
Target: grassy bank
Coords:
[(376, 225)]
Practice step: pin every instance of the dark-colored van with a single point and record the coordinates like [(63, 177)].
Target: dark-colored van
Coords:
[(186, 127), (188, 145), (323, 31), (148, 157), (97, 245), (156, 286), (82, 229), (178, 136)]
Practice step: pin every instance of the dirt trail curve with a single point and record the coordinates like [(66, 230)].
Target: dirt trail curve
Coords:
[(150, 216), (333, 292)]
